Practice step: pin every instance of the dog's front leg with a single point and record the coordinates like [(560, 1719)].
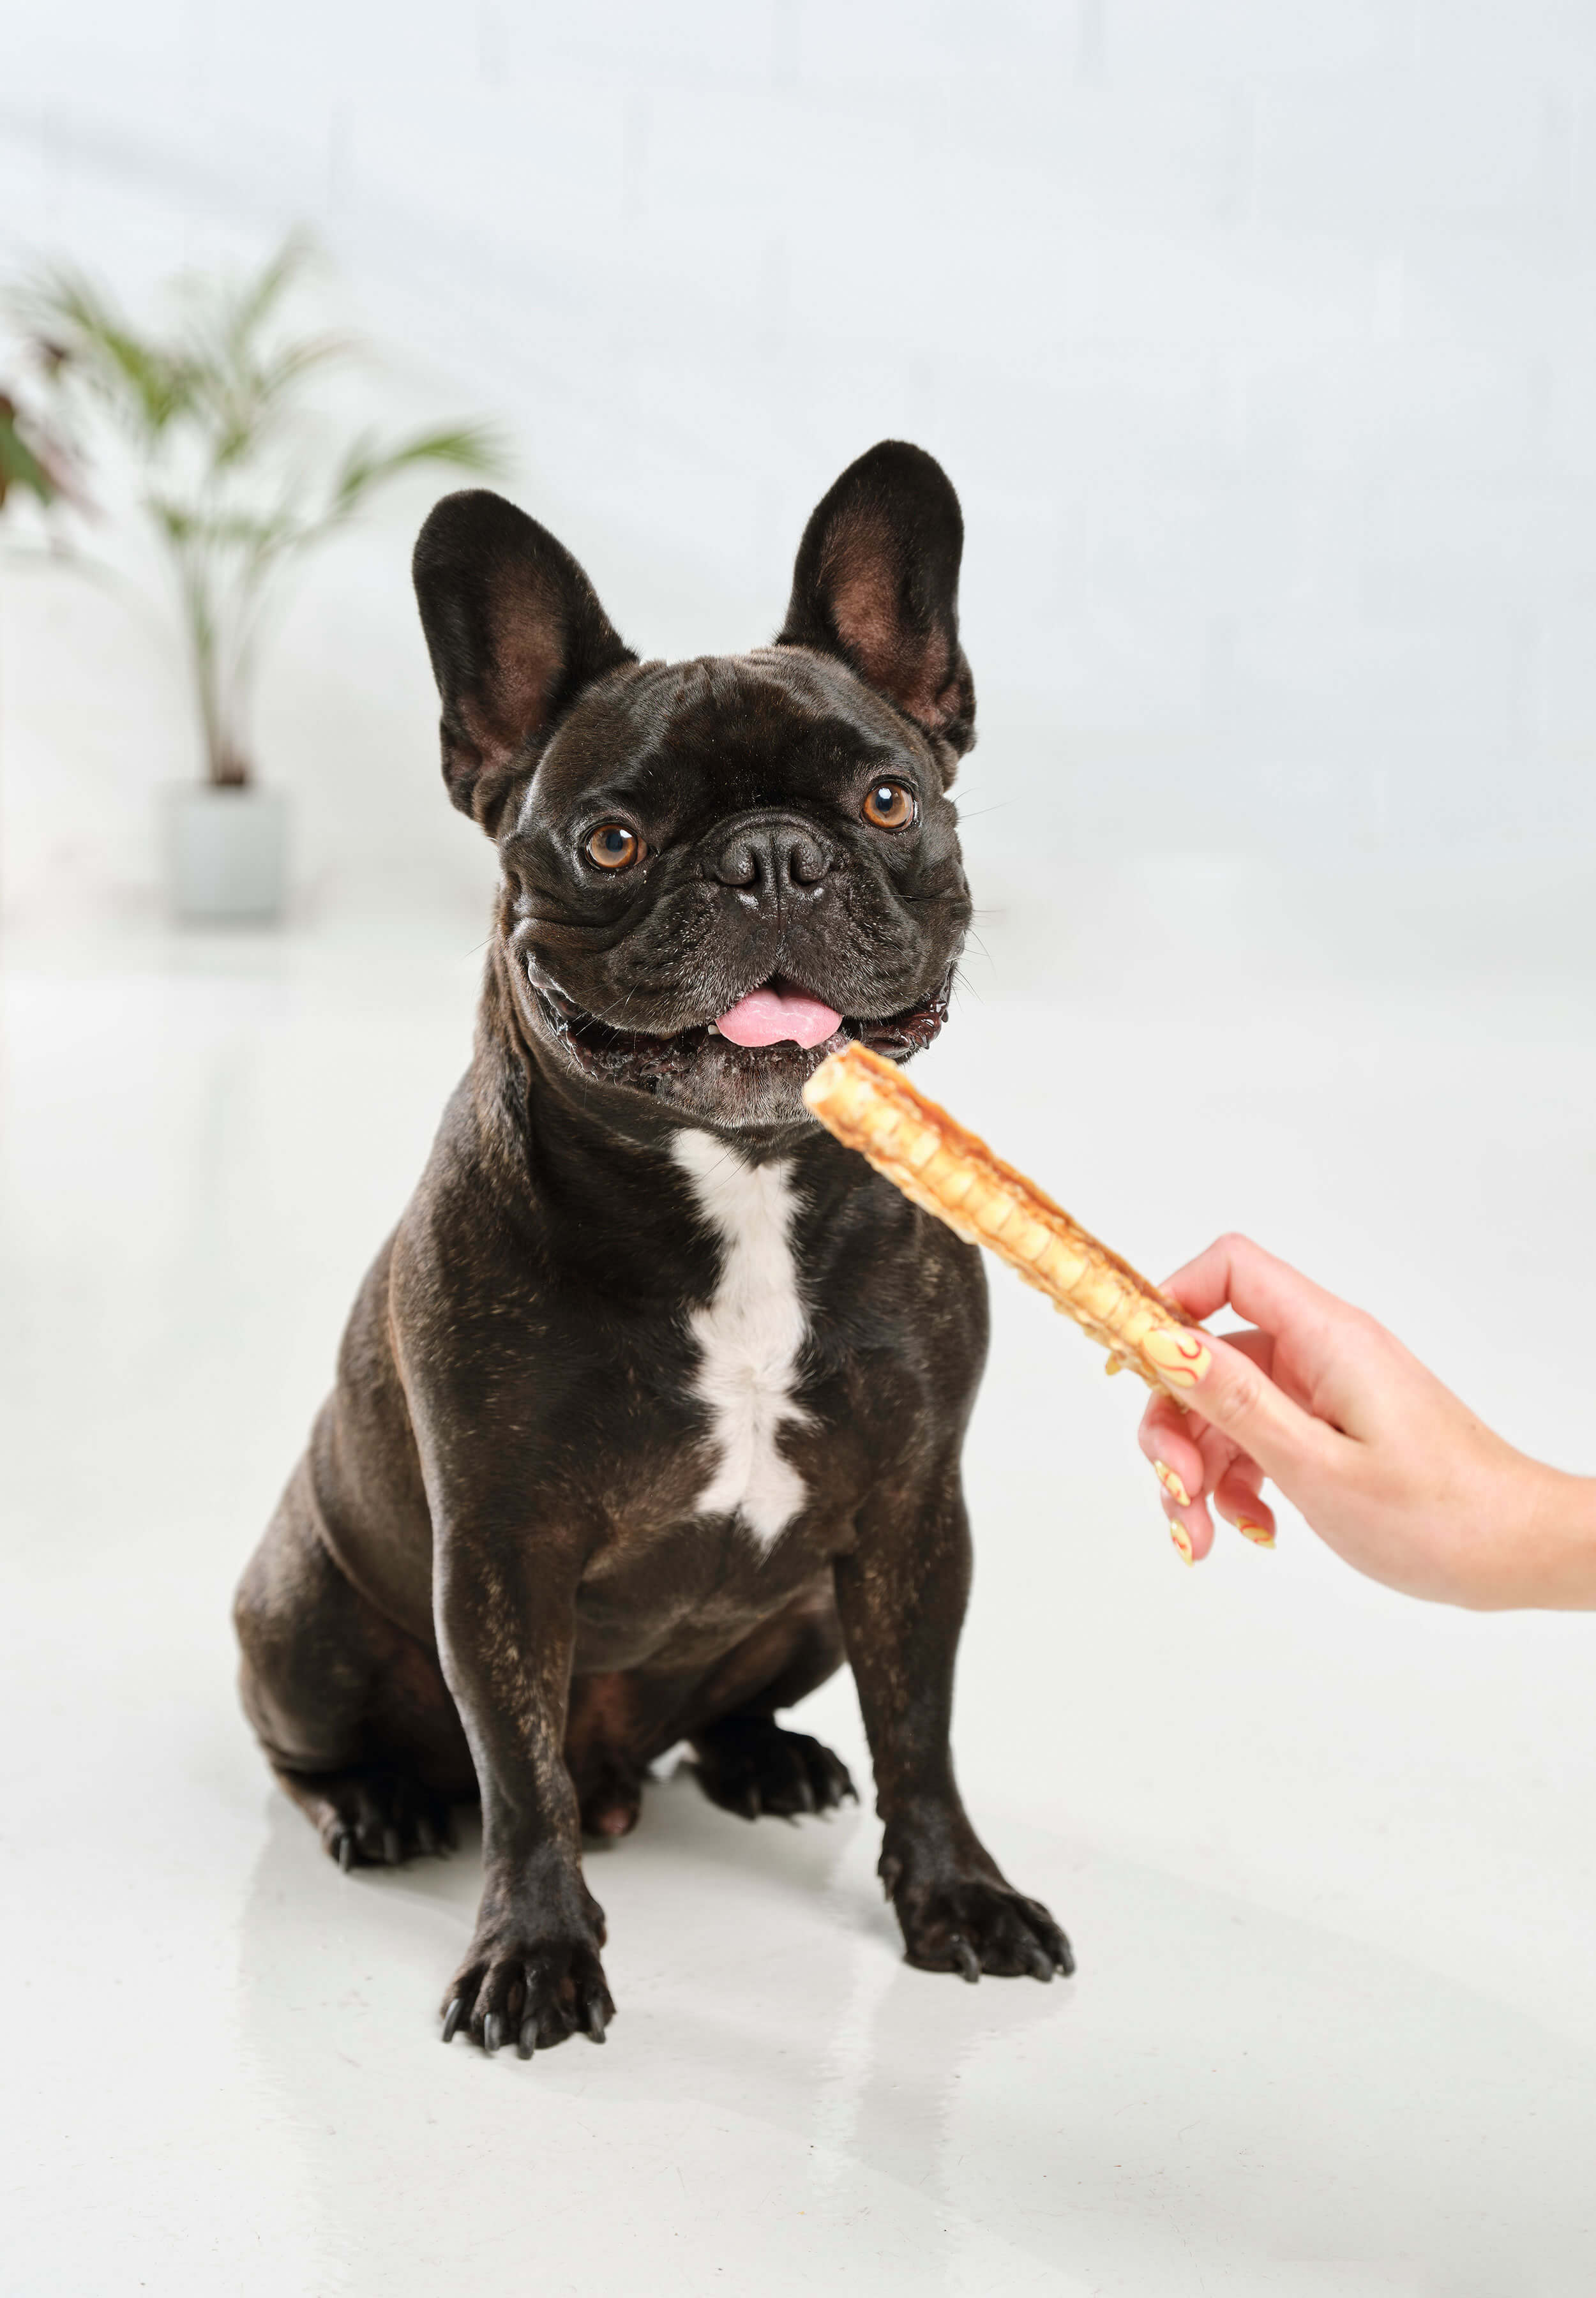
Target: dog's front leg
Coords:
[(901, 1594), (505, 1610)]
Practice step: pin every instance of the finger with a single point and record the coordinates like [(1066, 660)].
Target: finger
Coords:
[(1162, 1410), (1189, 1455), (1217, 1454), (1164, 1423), (1177, 1444), (1259, 1346), (1190, 1528), (1234, 1393), (1265, 1290), (1236, 1501), (1178, 1464)]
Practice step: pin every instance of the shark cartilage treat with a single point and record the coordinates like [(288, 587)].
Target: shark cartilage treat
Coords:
[(870, 1106)]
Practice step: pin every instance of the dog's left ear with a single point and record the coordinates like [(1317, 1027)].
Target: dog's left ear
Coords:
[(877, 582), (515, 632)]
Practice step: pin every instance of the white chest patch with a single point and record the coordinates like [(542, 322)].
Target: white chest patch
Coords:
[(749, 1336)]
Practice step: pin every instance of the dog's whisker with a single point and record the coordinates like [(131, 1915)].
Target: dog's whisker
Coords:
[(998, 806)]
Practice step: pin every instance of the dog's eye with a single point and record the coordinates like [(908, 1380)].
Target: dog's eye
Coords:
[(890, 806), (614, 846)]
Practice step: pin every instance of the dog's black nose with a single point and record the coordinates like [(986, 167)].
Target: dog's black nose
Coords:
[(767, 859)]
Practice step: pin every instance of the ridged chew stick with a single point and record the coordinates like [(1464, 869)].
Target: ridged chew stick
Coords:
[(871, 1106)]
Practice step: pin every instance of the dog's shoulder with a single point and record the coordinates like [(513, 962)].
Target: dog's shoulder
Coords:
[(472, 1231)]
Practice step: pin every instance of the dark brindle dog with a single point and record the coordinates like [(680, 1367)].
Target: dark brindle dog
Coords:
[(650, 1410)]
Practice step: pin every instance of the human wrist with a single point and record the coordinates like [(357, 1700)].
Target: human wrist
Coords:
[(1541, 1554)]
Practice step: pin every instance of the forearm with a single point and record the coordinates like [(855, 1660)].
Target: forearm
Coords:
[(1540, 1554), (505, 1642)]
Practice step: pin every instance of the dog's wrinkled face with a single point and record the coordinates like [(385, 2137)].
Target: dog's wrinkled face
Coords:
[(715, 873), (700, 830)]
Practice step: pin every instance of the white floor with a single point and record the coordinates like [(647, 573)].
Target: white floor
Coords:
[(1329, 1860)]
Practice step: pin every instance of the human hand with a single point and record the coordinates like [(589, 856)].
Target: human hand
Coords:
[(1385, 1464)]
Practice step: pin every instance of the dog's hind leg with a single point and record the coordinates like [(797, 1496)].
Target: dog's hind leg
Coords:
[(746, 1761), (605, 1724), (353, 1713)]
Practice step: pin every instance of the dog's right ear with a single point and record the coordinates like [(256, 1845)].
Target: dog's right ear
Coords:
[(515, 632)]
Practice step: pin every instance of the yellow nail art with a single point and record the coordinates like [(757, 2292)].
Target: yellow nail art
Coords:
[(1172, 1484), (1182, 1539), (1259, 1534), (1180, 1357)]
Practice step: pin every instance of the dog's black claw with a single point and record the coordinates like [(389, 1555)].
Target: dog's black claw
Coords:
[(965, 1957), (598, 2018), (805, 1793), (1039, 1964), (346, 1849), (493, 2033), (527, 2041), (426, 1835), (451, 2018), (1065, 1958), (392, 1849)]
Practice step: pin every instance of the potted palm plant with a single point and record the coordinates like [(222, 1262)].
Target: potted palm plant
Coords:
[(238, 477)]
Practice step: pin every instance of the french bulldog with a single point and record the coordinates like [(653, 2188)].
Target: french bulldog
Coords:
[(649, 1413)]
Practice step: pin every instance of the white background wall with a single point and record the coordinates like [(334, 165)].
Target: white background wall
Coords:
[(1259, 336)]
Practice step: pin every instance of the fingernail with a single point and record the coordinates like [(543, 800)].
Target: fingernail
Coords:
[(1182, 1539), (1171, 1484), (1179, 1357), (1259, 1534)]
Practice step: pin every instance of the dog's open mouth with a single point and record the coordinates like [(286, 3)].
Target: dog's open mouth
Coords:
[(648, 1059)]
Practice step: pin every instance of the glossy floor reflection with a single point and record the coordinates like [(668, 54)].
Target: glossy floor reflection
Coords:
[(1326, 1857)]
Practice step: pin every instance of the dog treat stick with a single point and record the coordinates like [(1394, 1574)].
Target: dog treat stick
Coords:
[(872, 1107)]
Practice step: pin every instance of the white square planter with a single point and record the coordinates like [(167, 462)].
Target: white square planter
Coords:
[(226, 853)]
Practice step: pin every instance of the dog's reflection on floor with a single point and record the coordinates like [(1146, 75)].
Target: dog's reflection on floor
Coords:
[(1225, 2084), (768, 1984)]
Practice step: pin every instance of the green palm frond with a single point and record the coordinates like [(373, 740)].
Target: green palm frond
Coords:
[(251, 536), (19, 466), (466, 447), (147, 384), (251, 406), (245, 310)]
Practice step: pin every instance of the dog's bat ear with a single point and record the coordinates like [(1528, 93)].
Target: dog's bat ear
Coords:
[(515, 632), (877, 582)]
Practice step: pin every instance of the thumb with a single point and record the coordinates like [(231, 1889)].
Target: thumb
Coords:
[(1238, 1397)]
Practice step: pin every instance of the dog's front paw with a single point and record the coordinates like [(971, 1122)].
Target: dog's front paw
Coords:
[(750, 1766), (977, 1922), (532, 1987)]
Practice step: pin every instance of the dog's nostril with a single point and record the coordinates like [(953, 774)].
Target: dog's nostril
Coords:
[(738, 864), (806, 861), (771, 855)]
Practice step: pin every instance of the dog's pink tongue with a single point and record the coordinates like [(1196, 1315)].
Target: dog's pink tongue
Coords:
[(765, 1016)]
